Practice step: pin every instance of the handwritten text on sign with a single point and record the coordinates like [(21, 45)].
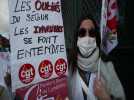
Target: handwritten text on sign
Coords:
[(37, 41)]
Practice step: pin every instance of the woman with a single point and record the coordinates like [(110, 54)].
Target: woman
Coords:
[(4, 65), (84, 83)]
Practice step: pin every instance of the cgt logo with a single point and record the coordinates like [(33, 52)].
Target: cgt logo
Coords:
[(26, 73), (60, 67), (45, 69)]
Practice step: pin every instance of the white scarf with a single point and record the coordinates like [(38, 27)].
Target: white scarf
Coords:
[(89, 63)]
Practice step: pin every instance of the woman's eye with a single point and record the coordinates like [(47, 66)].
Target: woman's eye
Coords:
[(82, 32)]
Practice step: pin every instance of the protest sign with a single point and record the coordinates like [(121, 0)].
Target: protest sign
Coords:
[(38, 52)]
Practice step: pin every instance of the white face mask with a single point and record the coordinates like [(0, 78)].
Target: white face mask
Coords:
[(86, 45)]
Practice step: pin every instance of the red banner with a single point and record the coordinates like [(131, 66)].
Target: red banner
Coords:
[(54, 89)]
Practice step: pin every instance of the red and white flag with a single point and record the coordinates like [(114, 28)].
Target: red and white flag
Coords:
[(108, 25)]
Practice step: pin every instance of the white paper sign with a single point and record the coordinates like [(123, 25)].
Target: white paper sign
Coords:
[(38, 50)]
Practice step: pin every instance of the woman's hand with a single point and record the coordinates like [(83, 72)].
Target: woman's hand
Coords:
[(100, 90)]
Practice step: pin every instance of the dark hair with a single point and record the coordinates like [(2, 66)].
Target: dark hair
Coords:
[(97, 36), (5, 44), (98, 39), (74, 51)]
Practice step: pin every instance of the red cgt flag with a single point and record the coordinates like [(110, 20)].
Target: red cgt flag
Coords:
[(112, 15), (109, 24)]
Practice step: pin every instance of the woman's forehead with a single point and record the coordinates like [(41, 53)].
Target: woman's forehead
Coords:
[(87, 23)]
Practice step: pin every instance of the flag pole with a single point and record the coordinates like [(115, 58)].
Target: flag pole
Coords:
[(102, 27)]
